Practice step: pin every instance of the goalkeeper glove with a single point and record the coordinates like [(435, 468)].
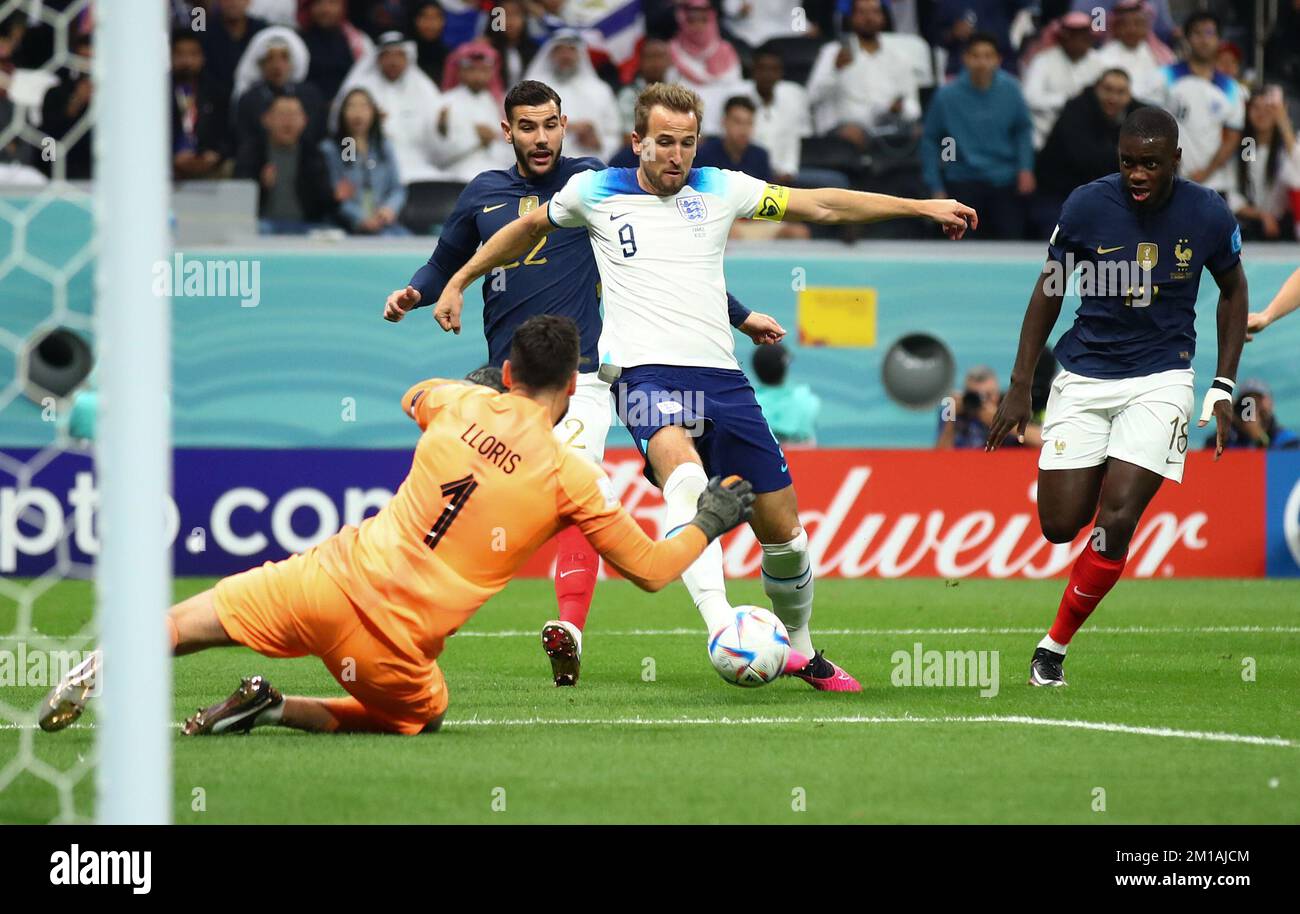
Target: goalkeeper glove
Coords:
[(725, 504)]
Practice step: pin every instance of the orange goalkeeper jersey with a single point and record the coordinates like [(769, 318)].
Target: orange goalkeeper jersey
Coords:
[(490, 483)]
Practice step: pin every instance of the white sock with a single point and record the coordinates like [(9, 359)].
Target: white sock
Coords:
[(788, 582), (269, 717), (1051, 645), (703, 579)]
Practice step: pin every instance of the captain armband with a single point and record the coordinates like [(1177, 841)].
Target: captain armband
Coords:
[(772, 205)]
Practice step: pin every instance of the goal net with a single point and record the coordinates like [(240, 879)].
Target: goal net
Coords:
[(85, 463)]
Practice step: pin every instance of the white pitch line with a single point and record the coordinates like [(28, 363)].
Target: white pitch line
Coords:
[(866, 632), (1164, 732), (1010, 719), (1097, 630)]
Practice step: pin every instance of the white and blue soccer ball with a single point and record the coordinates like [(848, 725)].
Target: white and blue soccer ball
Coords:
[(752, 649)]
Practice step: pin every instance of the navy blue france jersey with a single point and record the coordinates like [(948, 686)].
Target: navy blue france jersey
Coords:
[(559, 276), (1114, 335)]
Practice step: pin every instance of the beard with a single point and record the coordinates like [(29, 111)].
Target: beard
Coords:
[(526, 166)]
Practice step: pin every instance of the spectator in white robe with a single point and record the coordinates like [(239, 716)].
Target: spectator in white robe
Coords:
[(408, 100), (470, 139), (594, 123), (1067, 64), (1132, 46)]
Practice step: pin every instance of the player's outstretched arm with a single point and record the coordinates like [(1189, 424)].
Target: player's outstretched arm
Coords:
[(651, 564), (1233, 307), (1017, 406), (511, 243), (1284, 302), (833, 206), (457, 242)]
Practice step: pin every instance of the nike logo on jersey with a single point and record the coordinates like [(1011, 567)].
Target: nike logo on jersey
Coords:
[(620, 216), (1102, 250), (488, 209)]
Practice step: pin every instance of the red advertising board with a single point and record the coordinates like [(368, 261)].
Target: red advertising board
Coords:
[(956, 514)]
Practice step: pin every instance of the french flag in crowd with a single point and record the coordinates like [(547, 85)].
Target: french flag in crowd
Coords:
[(463, 18), (613, 29), (618, 34)]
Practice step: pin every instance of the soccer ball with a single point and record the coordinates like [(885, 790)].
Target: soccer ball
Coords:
[(752, 649)]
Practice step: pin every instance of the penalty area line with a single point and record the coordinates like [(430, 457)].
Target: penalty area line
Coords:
[(848, 719), (878, 632), (865, 632), (1011, 719)]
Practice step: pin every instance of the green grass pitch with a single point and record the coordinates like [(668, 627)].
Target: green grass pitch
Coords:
[(652, 735)]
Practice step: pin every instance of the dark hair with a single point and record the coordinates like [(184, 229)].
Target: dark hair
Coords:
[(770, 50), (285, 96), (544, 352), (1198, 17), (530, 92), (1114, 71), (1275, 150), (770, 363), (487, 376), (179, 35), (982, 38), (739, 101), (1151, 123), (375, 136)]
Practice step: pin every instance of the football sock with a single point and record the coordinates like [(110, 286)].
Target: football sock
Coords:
[(1091, 579), (269, 717), (576, 567), (788, 583), (1054, 646), (703, 578)]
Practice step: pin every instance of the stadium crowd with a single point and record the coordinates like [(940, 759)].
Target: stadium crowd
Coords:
[(369, 115)]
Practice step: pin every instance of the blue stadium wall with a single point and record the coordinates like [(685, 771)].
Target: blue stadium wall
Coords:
[(314, 350)]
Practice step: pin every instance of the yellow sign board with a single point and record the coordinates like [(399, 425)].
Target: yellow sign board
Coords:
[(837, 316)]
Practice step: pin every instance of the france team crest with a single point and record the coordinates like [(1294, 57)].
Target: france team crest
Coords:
[(692, 208)]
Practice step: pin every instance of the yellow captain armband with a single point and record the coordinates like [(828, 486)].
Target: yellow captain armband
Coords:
[(773, 203)]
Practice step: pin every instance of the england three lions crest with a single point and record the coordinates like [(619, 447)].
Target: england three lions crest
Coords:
[(692, 208)]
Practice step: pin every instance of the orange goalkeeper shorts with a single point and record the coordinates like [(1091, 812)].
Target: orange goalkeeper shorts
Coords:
[(293, 608)]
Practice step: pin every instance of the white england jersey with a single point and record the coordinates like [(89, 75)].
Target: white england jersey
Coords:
[(660, 260), (1203, 108)]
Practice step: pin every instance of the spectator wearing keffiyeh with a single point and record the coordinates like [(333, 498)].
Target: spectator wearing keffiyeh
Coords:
[(704, 60)]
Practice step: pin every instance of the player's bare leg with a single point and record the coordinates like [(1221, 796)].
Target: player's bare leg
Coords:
[(195, 617), (680, 474), (1120, 492), (257, 703), (788, 582), (192, 626)]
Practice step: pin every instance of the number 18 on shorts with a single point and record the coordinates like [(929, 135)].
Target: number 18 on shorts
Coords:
[(1143, 421)]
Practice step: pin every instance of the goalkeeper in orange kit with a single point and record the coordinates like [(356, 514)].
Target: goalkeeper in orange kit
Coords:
[(489, 485)]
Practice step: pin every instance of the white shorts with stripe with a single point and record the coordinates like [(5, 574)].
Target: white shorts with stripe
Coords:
[(1143, 421), (586, 425)]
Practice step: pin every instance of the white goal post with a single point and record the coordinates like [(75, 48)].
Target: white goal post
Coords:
[(132, 187)]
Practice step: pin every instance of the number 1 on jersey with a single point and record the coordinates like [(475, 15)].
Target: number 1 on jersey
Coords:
[(459, 490)]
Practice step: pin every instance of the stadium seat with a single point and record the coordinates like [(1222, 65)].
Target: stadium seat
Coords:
[(834, 153), (429, 204), (799, 55)]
